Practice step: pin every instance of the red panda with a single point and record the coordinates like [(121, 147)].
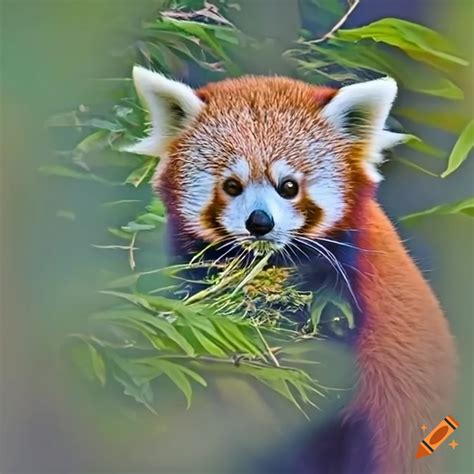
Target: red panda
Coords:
[(295, 165)]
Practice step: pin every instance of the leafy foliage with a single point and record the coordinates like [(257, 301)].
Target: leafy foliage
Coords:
[(152, 336), (419, 58), (232, 326)]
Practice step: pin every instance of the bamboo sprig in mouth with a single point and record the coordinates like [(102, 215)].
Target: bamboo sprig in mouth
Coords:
[(235, 271)]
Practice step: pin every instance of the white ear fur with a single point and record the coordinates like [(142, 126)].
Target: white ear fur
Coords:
[(374, 100), (165, 99)]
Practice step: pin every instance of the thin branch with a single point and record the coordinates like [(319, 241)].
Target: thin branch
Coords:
[(229, 361), (267, 347), (131, 257), (352, 6), (117, 247), (255, 271)]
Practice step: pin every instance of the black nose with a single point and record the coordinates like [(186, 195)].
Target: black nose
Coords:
[(259, 223)]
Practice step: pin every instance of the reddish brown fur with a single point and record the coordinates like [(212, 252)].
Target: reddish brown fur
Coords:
[(406, 354)]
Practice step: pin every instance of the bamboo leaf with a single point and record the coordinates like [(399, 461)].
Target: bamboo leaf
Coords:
[(66, 172), (207, 344), (437, 118), (135, 299), (88, 360), (281, 387), (461, 150), (416, 143), (176, 375), (417, 41), (233, 333), (141, 393), (155, 322), (137, 227), (194, 375), (120, 202), (464, 207), (416, 167), (143, 172)]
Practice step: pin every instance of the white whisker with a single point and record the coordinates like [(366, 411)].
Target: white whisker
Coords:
[(332, 259), (345, 244)]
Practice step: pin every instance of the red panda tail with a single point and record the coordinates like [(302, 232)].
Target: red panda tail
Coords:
[(405, 351)]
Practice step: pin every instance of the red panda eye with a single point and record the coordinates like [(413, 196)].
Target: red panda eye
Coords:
[(232, 187), (288, 189)]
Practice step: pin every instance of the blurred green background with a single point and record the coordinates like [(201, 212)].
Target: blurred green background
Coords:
[(51, 52)]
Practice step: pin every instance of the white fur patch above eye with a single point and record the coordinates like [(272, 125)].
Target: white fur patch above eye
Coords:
[(360, 111), (281, 169), (239, 169), (169, 102)]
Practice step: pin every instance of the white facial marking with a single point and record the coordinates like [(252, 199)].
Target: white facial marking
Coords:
[(198, 196), (326, 188)]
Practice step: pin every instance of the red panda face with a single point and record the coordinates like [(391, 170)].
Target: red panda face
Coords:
[(256, 168), (262, 159)]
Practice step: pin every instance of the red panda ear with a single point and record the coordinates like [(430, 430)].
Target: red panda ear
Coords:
[(172, 106), (360, 111)]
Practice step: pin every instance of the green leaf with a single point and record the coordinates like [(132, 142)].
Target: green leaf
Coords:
[(105, 125), (281, 387), (136, 227), (464, 207), (207, 344), (144, 171), (160, 303), (233, 334), (439, 87), (151, 219), (206, 34), (120, 233), (417, 41), (176, 375), (96, 141), (88, 360), (157, 207), (205, 326), (66, 172), (141, 371), (141, 393), (155, 322), (359, 56), (461, 150), (194, 375), (120, 202), (416, 167), (416, 143), (135, 299), (124, 282), (438, 118)]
